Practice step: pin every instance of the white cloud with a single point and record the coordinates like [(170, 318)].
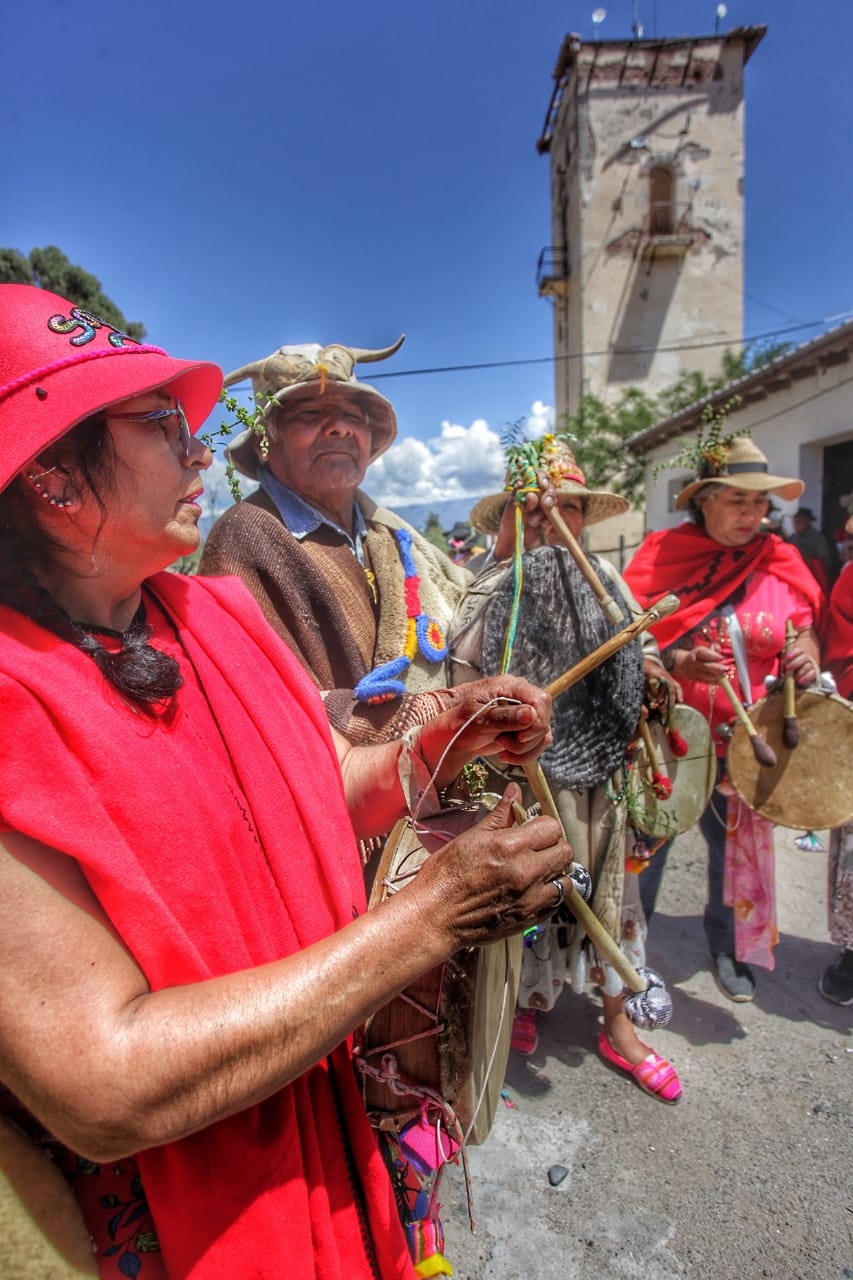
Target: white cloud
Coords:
[(461, 462)]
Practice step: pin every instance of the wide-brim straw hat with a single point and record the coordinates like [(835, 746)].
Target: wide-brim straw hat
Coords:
[(744, 467), (302, 371), (59, 364), (557, 459)]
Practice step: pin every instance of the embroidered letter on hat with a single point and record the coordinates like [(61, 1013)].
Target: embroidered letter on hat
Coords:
[(88, 322)]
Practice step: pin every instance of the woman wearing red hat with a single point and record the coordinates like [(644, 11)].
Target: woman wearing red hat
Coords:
[(184, 952), (737, 587)]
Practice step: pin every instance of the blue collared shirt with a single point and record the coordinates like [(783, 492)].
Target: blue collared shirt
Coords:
[(301, 518)]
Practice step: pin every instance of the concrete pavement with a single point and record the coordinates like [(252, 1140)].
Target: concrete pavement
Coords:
[(748, 1176)]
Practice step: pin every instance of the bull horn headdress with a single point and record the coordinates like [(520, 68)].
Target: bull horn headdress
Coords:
[(293, 369)]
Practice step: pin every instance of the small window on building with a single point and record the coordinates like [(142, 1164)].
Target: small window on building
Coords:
[(661, 201)]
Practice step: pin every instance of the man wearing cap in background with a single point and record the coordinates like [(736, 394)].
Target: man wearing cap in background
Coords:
[(359, 595), (817, 551)]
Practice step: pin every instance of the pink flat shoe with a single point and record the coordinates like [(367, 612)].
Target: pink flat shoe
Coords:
[(654, 1075), (525, 1037)]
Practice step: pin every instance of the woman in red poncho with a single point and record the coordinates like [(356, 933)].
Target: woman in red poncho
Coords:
[(836, 982), (184, 949), (733, 581)]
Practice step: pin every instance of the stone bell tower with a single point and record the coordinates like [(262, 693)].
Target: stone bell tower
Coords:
[(645, 266)]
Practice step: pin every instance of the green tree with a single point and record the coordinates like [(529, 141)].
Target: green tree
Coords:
[(434, 533), (50, 269), (598, 432)]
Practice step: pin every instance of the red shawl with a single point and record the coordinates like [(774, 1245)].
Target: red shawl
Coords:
[(704, 574), (200, 882), (838, 640)]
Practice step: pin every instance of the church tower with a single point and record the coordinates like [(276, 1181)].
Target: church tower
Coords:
[(645, 266)]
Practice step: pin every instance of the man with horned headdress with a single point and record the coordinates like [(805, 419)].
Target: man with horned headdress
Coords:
[(360, 596)]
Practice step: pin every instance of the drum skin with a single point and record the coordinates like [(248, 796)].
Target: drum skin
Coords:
[(457, 1017), (692, 776), (811, 787)]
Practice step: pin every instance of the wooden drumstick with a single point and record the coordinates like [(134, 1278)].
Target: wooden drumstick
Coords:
[(583, 913), (764, 754), (790, 727), (655, 767), (609, 607), (661, 609)]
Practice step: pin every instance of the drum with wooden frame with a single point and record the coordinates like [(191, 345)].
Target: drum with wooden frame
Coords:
[(811, 785), (441, 1046), (683, 752)]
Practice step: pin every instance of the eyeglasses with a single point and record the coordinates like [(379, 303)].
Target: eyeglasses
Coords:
[(185, 435)]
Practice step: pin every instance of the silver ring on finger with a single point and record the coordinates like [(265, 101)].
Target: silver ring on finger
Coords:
[(561, 893)]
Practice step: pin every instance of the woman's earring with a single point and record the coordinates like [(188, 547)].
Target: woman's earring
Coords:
[(35, 481)]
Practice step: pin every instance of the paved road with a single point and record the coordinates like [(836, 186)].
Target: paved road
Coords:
[(748, 1176)]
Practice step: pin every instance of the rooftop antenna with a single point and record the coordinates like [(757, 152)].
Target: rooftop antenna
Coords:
[(598, 16), (718, 17), (637, 26)]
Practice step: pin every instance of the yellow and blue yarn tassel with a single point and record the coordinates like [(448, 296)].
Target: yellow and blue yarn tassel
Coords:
[(423, 634), (527, 484)]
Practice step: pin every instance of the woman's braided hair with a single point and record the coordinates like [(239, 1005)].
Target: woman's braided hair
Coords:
[(144, 675)]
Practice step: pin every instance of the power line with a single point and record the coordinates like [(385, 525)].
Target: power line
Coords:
[(743, 343), (586, 355)]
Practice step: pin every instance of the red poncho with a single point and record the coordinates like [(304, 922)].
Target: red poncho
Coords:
[(704, 574), (838, 640), (212, 852)]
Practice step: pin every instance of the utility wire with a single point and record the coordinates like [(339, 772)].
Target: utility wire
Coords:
[(587, 355), (743, 343)]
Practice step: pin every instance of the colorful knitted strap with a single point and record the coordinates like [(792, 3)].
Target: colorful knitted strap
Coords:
[(423, 635), (524, 482)]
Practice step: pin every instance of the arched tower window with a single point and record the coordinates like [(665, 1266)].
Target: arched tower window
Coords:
[(661, 201)]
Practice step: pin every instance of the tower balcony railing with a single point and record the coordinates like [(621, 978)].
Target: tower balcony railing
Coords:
[(552, 272), (667, 218), (669, 230)]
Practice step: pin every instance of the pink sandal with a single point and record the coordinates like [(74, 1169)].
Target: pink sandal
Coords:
[(525, 1037), (654, 1075)]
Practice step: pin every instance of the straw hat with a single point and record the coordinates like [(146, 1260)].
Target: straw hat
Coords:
[(557, 459), (744, 466), (304, 371), (60, 364)]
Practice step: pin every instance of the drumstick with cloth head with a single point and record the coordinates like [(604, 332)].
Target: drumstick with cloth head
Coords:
[(763, 752), (791, 726), (650, 1004)]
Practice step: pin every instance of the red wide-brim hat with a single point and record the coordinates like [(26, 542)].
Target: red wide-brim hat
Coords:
[(59, 364)]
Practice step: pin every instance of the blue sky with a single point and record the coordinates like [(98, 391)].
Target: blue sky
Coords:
[(247, 175)]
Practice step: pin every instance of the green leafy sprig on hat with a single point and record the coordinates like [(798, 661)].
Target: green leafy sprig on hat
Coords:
[(244, 419), (523, 454), (707, 455)]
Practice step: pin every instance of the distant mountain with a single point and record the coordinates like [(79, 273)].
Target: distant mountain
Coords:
[(416, 513), (448, 511)]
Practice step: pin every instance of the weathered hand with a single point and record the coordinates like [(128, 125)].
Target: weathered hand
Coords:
[(502, 716), (494, 880), (703, 664), (534, 514)]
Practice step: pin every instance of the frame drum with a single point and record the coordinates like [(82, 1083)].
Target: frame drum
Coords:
[(692, 776), (811, 787), (42, 1232), (448, 1033)]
